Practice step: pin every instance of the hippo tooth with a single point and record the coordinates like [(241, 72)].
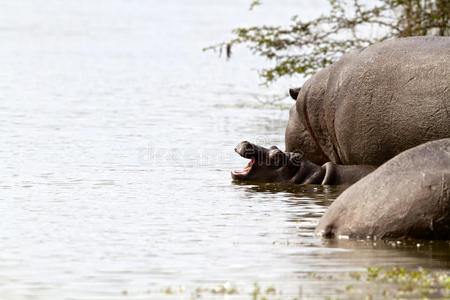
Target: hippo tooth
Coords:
[(246, 169)]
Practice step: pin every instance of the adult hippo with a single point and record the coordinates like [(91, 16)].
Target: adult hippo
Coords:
[(273, 165), (407, 197), (374, 103)]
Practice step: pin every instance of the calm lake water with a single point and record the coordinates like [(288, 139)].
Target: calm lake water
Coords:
[(117, 143)]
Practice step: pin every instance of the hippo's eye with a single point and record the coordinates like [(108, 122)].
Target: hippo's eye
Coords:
[(276, 156)]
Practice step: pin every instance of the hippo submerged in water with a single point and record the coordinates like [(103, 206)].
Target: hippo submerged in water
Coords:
[(407, 197), (364, 110), (274, 165)]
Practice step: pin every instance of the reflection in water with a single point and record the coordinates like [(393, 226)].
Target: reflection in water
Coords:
[(431, 254), (312, 191), (304, 205), (307, 203)]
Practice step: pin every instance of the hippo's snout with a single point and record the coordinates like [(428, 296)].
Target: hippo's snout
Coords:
[(246, 149)]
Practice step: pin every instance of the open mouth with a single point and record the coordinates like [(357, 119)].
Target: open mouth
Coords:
[(246, 170)]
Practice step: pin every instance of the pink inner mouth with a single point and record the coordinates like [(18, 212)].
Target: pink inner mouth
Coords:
[(247, 168)]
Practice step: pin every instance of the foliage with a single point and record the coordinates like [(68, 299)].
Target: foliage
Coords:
[(375, 283), (304, 47)]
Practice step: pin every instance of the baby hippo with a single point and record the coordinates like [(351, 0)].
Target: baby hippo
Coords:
[(273, 165)]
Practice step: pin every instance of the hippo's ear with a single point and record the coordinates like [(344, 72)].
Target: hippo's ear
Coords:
[(294, 93), (296, 159)]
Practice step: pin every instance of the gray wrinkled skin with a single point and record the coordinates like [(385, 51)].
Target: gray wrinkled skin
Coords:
[(407, 197), (374, 103)]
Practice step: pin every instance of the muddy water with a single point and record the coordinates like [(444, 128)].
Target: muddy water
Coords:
[(116, 148)]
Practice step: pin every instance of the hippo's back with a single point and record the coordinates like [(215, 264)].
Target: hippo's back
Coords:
[(390, 97), (407, 197)]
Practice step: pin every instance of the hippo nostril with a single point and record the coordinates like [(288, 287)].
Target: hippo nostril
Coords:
[(249, 150)]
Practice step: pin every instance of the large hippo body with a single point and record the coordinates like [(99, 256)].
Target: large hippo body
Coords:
[(389, 105), (374, 103), (407, 197)]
